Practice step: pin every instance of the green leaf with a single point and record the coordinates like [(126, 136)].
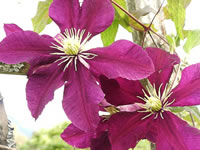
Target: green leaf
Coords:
[(193, 39), (176, 10), (176, 109), (108, 36), (125, 24), (122, 3), (172, 42), (121, 16), (194, 110), (191, 115), (166, 12), (143, 145), (138, 27), (41, 19)]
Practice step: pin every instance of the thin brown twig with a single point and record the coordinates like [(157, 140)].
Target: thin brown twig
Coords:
[(162, 38), (146, 29), (152, 23), (149, 27), (152, 39), (156, 13), (143, 39), (129, 14)]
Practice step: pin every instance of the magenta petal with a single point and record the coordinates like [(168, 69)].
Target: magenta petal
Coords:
[(101, 142), (24, 46), (10, 28), (121, 91), (40, 62), (174, 133), (65, 13), (76, 137), (96, 15), (164, 63), (187, 93), (81, 98), (126, 129), (121, 59), (41, 86)]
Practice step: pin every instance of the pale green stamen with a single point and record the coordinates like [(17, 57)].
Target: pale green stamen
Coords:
[(154, 104), (70, 42), (72, 47)]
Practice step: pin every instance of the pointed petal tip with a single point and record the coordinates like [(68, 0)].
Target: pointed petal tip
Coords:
[(76, 137), (41, 86), (10, 28)]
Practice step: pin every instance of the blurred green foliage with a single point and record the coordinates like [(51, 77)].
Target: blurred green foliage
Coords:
[(48, 140), (190, 114), (143, 145)]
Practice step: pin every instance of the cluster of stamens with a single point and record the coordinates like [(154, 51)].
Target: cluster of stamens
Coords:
[(155, 103), (109, 111), (72, 48)]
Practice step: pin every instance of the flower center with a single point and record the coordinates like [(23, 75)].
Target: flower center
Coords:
[(154, 104), (70, 42), (71, 46)]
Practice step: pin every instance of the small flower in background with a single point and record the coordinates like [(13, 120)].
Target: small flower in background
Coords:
[(145, 111), (65, 60)]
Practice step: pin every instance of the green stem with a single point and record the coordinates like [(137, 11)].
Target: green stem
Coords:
[(192, 119), (146, 29)]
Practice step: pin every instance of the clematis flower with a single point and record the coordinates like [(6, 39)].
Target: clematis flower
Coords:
[(97, 140), (147, 114), (65, 60)]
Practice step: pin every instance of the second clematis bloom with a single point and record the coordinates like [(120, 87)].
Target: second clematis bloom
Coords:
[(98, 140), (145, 110), (64, 59)]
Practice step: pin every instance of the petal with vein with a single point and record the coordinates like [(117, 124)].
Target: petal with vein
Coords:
[(81, 98)]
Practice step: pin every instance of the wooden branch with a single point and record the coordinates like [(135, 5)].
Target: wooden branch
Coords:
[(14, 69), (6, 147), (3, 123)]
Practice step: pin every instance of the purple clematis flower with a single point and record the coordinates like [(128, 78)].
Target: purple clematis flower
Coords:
[(64, 59), (145, 112), (97, 140)]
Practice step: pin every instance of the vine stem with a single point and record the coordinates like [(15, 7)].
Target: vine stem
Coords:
[(192, 119), (129, 14), (146, 29)]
